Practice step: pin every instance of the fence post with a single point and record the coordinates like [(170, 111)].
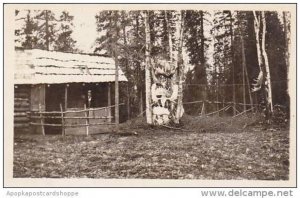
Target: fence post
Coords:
[(42, 119), (86, 120), (62, 120)]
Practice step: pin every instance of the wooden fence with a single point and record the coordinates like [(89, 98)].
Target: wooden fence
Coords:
[(226, 107), (89, 115)]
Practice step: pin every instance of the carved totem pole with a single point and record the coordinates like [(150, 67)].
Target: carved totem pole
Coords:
[(164, 79)]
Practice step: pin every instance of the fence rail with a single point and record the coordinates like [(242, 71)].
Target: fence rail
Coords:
[(75, 111), (40, 117), (218, 102), (70, 125), (57, 117)]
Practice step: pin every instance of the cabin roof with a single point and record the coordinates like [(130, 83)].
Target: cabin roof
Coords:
[(50, 67)]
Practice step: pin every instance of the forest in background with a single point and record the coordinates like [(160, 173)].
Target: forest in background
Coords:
[(219, 48)]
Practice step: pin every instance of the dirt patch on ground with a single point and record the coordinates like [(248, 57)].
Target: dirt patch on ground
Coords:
[(222, 149)]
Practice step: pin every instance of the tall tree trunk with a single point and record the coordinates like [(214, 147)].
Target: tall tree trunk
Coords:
[(179, 63), (257, 30), (116, 91), (47, 30), (264, 78), (217, 88), (249, 88), (203, 62), (151, 22), (256, 22), (233, 65), (139, 71), (169, 36), (141, 104), (29, 44), (246, 72), (267, 67), (243, 69), (286, 36), (147, 70), (126, 64), (115, 53)]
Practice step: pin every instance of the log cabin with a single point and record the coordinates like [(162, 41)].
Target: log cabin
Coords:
[(49, 81)]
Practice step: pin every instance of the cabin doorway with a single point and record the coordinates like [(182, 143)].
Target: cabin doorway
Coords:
[(54, 97)]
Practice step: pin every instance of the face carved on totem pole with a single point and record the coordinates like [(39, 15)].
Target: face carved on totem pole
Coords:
[(162, 91)]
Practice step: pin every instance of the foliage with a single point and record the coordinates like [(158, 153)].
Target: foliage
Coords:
[(25, 35), (196, 44), (276, 50), (64, 41), (212, 50), (40, 29), (206, 79), (46, 29)]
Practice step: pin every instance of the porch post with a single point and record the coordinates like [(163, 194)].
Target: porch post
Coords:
[(109, 102)]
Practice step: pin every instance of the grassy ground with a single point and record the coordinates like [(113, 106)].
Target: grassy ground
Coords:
[(207, 148)]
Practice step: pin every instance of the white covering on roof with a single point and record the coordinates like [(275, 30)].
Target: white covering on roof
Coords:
[(49, 67)]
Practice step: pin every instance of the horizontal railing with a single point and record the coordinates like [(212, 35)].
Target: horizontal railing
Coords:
[(40, 116)]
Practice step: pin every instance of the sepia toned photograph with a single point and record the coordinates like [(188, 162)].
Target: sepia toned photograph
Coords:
[(178, 93)]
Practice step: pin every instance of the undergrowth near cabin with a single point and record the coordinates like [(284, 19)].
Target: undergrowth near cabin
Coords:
[(201, 148)]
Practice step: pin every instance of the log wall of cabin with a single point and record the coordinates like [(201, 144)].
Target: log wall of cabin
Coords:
[(21, 108)]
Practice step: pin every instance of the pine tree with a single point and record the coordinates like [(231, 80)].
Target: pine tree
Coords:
[(277, 51), (225, 56), (46, 29), (64, 41), (196, 45), (25, 34)]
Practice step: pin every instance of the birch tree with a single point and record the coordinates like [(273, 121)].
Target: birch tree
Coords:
[(263, 80), (179, 64), (267, 66), (147, 70)]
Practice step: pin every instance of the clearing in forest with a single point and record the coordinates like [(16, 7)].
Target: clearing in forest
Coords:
[(216, 148)]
